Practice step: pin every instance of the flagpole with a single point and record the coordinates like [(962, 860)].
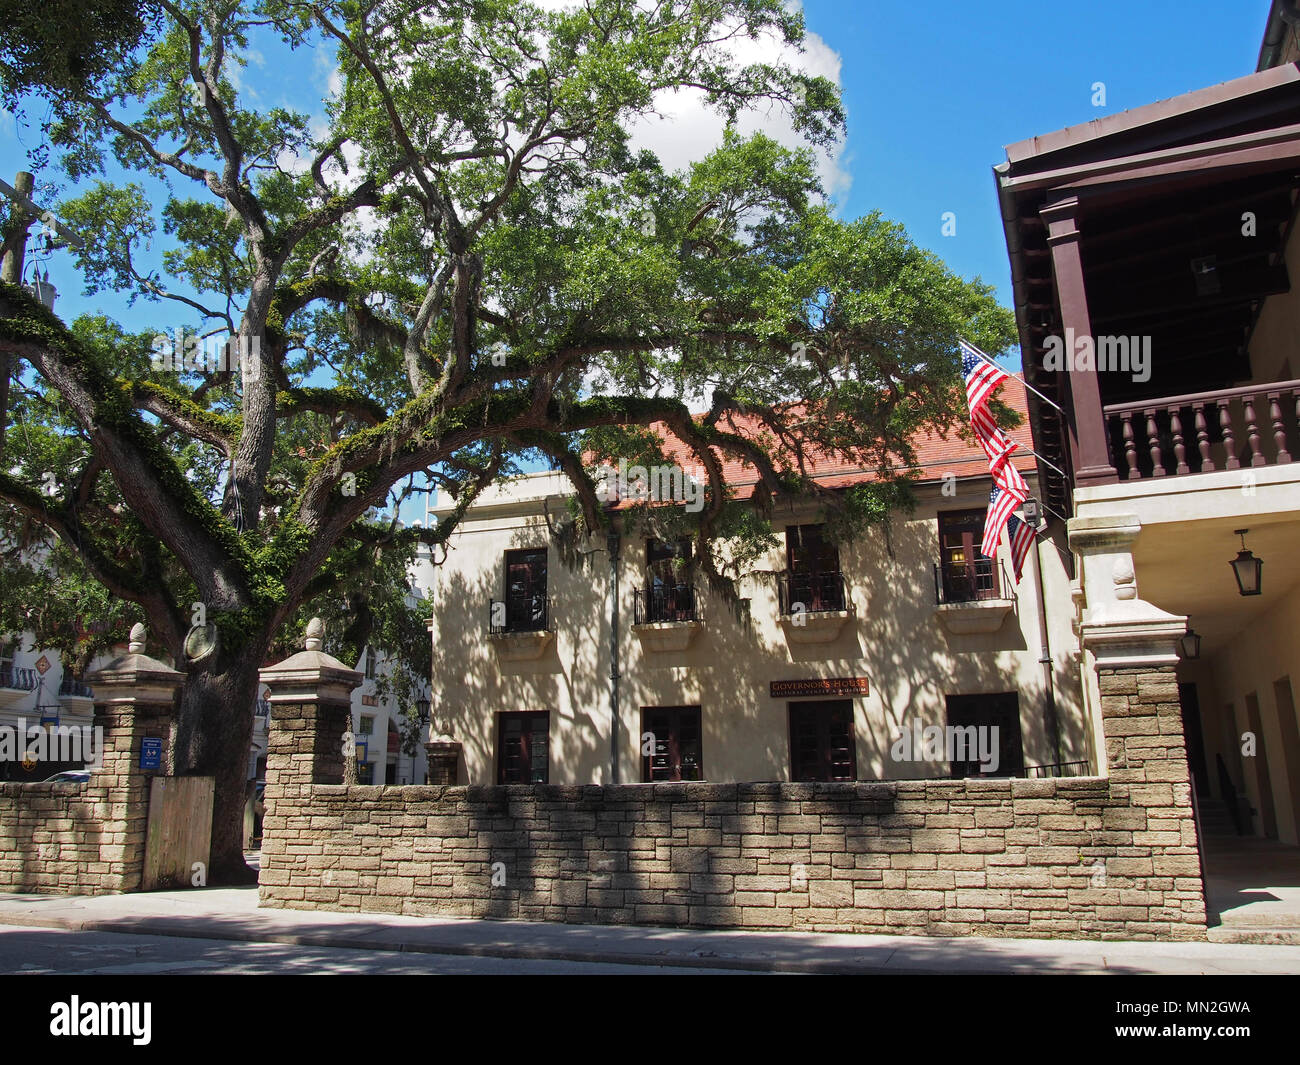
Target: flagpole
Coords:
[(1028, 387), (1046, 462)]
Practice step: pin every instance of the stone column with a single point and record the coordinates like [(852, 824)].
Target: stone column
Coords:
[(444, 760), (135, 699), (311, 710), (1139, 721)]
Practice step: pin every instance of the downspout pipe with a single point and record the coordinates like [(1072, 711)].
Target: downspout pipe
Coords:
[(612, 543), (1045, 656)]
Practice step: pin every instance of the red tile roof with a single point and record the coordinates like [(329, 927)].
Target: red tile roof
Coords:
[(935, 455)]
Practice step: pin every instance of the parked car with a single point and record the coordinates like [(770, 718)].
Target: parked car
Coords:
[(70, 776)]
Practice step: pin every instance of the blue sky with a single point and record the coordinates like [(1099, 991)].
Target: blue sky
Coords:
[(933, 93)]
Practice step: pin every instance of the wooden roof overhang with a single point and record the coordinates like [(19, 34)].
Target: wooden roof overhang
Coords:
[(1158, 196)]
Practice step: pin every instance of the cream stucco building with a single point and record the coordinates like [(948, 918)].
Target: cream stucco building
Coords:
[(889, 640)]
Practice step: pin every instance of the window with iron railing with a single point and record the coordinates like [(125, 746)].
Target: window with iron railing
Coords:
[(669, 593), (71, 686), (526, 607), (19, 679), (963, 574), (813, 582)]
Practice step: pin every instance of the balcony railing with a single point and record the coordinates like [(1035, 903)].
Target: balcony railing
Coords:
[(23, 680), (961, 582), (1235, 428), (812, 593), (660, 603), (71, 687), (1057, 769), (523, 613)]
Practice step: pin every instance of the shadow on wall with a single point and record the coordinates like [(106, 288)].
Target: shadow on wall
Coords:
[(895, 639), (51, 835), (572, 671)]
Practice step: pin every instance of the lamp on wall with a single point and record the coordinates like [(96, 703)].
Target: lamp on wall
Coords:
[(422, 710), (1246, 568), (1190, 643)]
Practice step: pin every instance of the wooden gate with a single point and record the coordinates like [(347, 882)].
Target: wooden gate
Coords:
[(179, 840)]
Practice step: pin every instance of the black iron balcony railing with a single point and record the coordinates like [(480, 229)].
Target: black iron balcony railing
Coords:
[(23, 680), (71, 686), (519, 613), (812, 593), (1234, 428), (1057, 769), (963, 582), (664, 603)]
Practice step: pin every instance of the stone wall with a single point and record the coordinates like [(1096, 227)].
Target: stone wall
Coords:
[(1075, 858), (83, 839), (1110, 857)]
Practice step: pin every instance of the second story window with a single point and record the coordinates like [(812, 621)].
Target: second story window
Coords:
[(367, 726), (525, 606), (964, 574), (669, 593), (813, 579)]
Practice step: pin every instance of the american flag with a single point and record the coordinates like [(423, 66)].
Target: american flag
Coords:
[(1001, 503), (980, 375), (1022, 540), (996, 444)]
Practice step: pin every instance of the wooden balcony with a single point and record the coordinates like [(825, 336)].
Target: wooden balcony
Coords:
[(1203, 432)]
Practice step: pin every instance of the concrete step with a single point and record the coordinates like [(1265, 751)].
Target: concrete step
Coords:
[(1250, 916), (1283, 937)]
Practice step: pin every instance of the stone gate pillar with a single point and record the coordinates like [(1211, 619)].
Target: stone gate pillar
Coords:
[(1133, 648), (135, 700), (311, 709)]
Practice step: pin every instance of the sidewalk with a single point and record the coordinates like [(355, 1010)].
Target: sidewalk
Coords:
[(232, 914)]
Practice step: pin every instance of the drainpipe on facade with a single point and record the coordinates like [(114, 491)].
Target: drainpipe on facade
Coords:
[(1045, 655), (612, 544)]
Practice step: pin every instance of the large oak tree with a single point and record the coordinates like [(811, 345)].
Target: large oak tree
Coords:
[(467, 264)]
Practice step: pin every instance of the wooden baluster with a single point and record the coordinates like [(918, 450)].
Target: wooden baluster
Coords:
[(1130, 448), (1279, 430), (1252, 432), (1180, 449), (1229, 444), (1153, 442), (1203, 440)]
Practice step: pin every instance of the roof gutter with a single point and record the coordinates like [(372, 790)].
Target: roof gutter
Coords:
[(1283, 15)]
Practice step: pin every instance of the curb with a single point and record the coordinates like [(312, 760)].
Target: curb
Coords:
[(155, 927)]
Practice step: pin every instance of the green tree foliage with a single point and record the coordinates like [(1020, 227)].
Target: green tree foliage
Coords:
[(469, 265)]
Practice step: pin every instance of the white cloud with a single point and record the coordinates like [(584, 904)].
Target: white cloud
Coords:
[(687, 129)]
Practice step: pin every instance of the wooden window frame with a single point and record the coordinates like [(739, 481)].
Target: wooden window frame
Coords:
[(519, 619), (822, 709), (989, 708), (968, 584), (673, 743), (524, 717)]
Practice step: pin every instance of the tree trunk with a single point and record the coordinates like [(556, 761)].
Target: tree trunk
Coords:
[(214, 733)]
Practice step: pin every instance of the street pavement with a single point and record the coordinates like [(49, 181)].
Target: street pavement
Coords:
[(47, 951), (215, 916)]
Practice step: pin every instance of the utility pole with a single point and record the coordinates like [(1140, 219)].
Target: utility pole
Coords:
[(11, 270)]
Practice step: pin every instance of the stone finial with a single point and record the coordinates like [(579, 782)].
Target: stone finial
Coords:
[(315, 634), (138, 636)]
